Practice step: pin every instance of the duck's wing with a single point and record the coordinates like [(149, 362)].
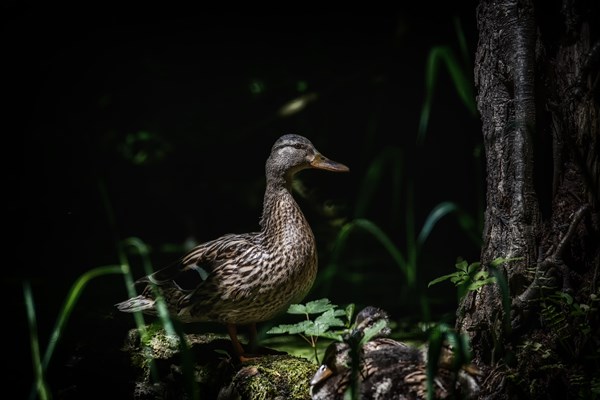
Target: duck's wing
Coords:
[(178, 281)]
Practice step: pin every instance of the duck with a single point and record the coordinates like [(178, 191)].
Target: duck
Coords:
[(241, 279), (386, 369)]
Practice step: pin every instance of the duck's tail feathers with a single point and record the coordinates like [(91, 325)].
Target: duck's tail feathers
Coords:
[(139, 303)]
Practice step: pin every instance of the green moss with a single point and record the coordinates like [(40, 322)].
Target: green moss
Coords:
[(271, 377), (158, 360)]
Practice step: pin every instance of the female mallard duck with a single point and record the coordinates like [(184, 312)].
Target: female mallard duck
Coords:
[(386, 369), (242, 279)]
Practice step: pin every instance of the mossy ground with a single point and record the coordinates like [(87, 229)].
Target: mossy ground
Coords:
[(214, 373)]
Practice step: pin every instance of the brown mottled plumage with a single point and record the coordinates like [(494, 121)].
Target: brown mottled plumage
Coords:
[(242, 279), (386, 369)]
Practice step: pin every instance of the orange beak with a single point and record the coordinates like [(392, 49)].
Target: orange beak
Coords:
[(322, 162), (322, 374)]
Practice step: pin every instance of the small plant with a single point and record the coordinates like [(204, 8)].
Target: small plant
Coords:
[(312, 329), (470, 277), (535, 347)]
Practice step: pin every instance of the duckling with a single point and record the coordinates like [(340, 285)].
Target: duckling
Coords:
[(246, 278), (384, 368)]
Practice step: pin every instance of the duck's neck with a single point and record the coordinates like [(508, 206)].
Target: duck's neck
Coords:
[(282, 218)]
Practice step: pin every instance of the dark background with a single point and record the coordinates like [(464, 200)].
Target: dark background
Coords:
[(173, 117)]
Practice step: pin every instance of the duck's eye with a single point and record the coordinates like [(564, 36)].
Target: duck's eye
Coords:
[(297, 146)]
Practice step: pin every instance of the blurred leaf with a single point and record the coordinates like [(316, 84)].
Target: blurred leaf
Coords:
[(298, 104), (257, 86), (441, 279), (462, 41), (301, 86), (462, 83), (371, 331), (434, 350), (465, 221), (390, 159), (144, 147), (40, 382), (434, 216), (387, 244)]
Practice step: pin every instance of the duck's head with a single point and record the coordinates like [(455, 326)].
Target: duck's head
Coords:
[(335, 360), (371, 316), (337, 354), (293, 153)]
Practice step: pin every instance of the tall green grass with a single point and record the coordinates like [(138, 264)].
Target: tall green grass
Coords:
[(125, 247)]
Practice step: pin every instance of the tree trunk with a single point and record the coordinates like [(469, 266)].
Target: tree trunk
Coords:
[(537, 77)]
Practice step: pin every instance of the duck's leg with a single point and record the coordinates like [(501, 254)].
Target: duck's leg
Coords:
[(237, 346)]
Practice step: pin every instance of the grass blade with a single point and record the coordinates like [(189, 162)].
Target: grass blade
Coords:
[(40, 382)]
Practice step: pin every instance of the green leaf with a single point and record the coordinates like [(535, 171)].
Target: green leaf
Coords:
[(388, 244), (297, 309), (566, 297), (318, 306), (462, 265), (434, 216), (329, 317), (323, 322), (460, 279), (477, 284), (349, 312), (443, 55), (441, 279), (496, 262), (373, 330), (312, 307), (338, 313), (332, 335), (473, 267), (292, 329), (390, 159), (480, 275)]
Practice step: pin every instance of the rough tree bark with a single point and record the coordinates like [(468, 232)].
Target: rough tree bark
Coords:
[(537, 71)]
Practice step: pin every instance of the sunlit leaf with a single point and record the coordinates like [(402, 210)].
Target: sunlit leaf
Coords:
[(473, 267), (441, 279), (371, 331), (477, 284), (480, 275), (292, 329), (328, 319), (349, 311), (297, 309), (462, 265)]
